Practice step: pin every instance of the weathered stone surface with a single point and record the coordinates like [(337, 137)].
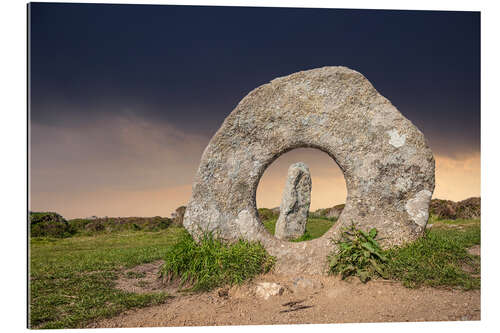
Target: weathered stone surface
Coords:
[(295, 203), (387, 165), (268, 289)]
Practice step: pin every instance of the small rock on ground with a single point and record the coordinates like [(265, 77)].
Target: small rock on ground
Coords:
[(268, 289), (475, 250)]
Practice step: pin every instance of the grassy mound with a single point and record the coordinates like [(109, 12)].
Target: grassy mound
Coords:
[(212, 263), (49, 224)]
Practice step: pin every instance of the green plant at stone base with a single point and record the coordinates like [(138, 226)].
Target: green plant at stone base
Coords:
[(358, 254), (211, 263)]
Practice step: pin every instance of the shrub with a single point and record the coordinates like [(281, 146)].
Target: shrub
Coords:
[(266, 214), (79, 224), (358, 254), (212, 263), (49, 224), (159, 223), (95, 226), (116, 224), (466, 209)]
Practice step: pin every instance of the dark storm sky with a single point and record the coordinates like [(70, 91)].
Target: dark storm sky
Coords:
[(124, 98), (189, 66)]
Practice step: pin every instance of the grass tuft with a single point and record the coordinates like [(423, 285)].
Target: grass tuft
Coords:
[(212, 263), (440, 258)]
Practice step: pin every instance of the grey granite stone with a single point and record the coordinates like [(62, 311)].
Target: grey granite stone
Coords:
[(387, 164), (295, 203)]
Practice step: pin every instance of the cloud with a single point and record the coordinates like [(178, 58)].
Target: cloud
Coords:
[(128, 166), (120, 156)]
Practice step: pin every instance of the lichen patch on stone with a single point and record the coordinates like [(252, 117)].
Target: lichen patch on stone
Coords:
[(395, 139), (418, 207)]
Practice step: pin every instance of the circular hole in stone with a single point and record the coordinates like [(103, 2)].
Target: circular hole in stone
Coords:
[(328, 194)]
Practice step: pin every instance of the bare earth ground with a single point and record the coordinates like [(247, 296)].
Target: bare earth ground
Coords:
[(322, 299)]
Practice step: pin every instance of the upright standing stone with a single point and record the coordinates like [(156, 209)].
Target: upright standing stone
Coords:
[(178, 216), (295, 203)]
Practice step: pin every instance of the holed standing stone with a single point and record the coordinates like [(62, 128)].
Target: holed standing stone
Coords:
[(388, 166)]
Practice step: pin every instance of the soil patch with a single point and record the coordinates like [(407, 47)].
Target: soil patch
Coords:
[(306, 300), (475, 250), (145, 279), (142, 279)]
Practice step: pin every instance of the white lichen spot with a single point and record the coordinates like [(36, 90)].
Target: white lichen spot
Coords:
[(418, 207), (395, 139)]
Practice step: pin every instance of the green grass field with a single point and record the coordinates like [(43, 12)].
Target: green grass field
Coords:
[(72, 279), (315, 228), (440, 258)]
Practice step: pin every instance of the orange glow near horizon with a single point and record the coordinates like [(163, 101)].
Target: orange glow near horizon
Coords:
[(456, 179), (125, 167), (328, 184)]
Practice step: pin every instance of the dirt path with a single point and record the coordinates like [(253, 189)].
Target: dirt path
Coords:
[(324, 300)]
